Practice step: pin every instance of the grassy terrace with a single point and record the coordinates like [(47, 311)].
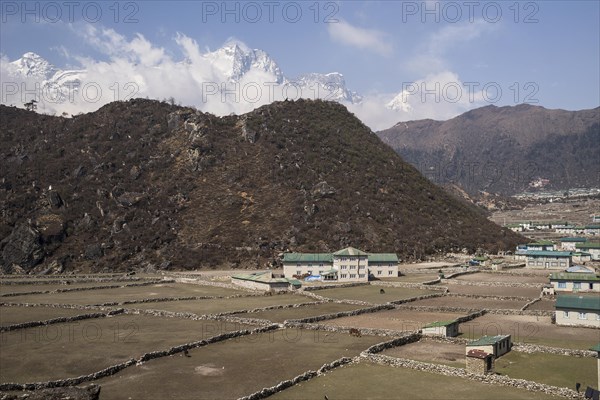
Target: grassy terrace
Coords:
[(469, 302), (492, 290), (552, 369), (499, 277), (280, 315), (234, 368), (371, 294), (384, 382), (530, 329), (78, 348), (127, 293), (17, 315), (451, 354), (398, 319), (213, 306)]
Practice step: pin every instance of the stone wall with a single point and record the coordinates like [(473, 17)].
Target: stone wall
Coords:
[(462, 373), (80, 289), (119, 367), (333, 286), (267, 392), (344, 313), (32, 324), (411, 299)]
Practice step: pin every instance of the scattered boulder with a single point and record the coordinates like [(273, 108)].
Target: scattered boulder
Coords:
[(54, 199), (322, 189), (93, 251), (23, 247)]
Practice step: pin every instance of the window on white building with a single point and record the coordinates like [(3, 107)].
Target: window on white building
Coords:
[(352, 266), (562, 264), (361, 275), (298, 272), (576, 285), (379, 272), (390, 272), (562, 285), (582, 315), (343, 276), (566, 314), (352, 276)]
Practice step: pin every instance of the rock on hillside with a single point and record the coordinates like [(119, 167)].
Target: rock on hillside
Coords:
[(144, 184)]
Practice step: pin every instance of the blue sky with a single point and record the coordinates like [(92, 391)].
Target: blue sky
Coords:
[(549, 50)]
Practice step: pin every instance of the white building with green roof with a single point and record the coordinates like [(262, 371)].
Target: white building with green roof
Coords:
[(575, 282), (346, 265), (441, 328), (578, 310)]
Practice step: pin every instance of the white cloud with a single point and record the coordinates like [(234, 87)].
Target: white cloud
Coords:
[(364, 39)]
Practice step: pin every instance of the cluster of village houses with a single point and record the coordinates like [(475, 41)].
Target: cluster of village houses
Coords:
[(576, 287)]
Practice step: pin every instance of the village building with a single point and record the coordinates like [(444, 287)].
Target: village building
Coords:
[(575, 282), (479, 362), (515, 227), (567, 229), (591, 230), (589, 247), (548, 259), (578, 310), (265, 281), (441, 328), (346, 265), (581, 257), (569, 243), (580, 269), (542, 245), (495, 345)]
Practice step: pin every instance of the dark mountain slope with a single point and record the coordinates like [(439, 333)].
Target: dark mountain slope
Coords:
[(143, 183), (504, 149)]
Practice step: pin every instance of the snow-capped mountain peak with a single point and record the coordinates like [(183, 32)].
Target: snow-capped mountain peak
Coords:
[(33, 65), (235, 59)]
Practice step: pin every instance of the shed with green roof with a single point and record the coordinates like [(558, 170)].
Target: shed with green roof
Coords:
[(441, 328)]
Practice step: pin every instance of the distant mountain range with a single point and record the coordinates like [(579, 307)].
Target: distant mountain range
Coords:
[(220, 70), (504, 150), (146, 184)]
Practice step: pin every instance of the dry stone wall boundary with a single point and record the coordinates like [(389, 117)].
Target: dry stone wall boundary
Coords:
[(144, 358)]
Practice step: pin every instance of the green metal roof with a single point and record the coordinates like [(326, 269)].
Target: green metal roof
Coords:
[(487, 340), (578, 302), (573, 276), (596, 348), (573, 239), (592, 227), (383, 257), (308, 257), (480, 258), (437, 324), (350, 251), (548, 253), (587, 245), (541, 243)]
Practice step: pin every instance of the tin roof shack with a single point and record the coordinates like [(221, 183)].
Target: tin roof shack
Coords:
[(578, 310), (265, 281), (575, 282), (495, 345), (479, 362), (441, 328)]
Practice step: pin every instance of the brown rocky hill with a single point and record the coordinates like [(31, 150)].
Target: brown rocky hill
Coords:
[(143, 184), (504, 150)]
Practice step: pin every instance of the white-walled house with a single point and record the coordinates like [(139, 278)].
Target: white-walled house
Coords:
[(589, 247), (346, 265), (569, 243), (575, 282), (548, 259), (578, 310)]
